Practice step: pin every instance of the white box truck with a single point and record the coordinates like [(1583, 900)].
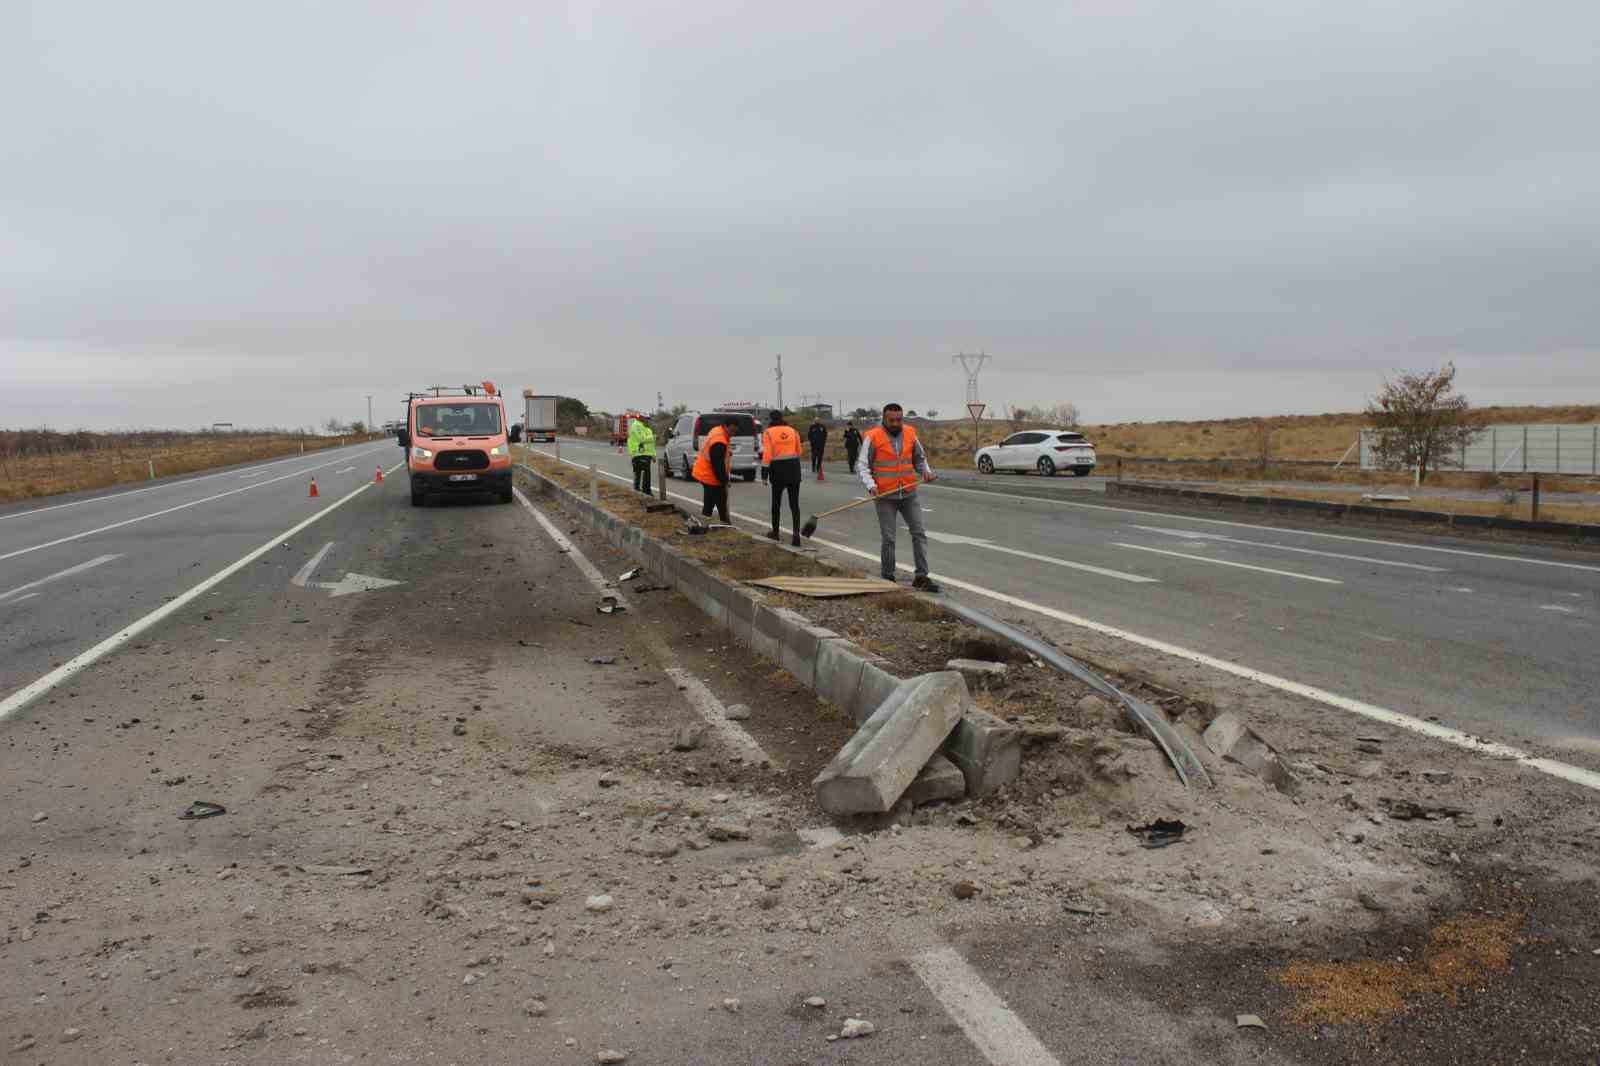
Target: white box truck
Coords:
[(539, 417)]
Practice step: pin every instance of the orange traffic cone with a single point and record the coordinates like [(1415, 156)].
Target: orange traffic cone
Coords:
[(313, 487), (378, 479)]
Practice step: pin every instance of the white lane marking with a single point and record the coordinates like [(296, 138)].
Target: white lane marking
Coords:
[(699, 697), (1563, 608), (168, 510), (59, 574), (1225, 562), (353, 582), (1192, 535), (303, 575), (979, 542), (1460, 588), (1398, 719), (19, 599), (941, 486), (346, 470), (994, 1029), (20, 698), (253, 473), (166, 484)]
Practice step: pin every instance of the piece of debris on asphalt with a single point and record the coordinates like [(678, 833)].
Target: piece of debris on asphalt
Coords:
[(604, 660), (611, 1057), (1086, 906), (737, 712), (818, 1003), (856, 1027), (1403, 810), (630, 575), (609, 781), (1248, 1021), (1160, 833), (202, 809), (964, 890), (610, 605), (689, 738), (530, 644), (335, 871), (645, 586), (597, 904)]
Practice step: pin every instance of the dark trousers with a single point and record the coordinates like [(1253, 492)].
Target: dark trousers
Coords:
[(715, 499), (852, 452), (641, 473), (816, 457), (784, 476)]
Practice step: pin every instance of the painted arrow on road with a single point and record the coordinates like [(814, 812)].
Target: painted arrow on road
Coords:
[(979, 542), (351, 582)]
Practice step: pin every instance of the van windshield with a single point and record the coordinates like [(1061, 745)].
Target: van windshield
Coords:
[(458, 420)]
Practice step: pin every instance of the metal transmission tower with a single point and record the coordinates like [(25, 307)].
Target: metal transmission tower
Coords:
[(972, 362)]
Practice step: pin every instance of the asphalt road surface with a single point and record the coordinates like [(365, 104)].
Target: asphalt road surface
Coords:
[(76, 570), (1494, 640)]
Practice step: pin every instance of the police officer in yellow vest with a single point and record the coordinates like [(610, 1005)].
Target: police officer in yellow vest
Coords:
[(891, 460), (642, 450)]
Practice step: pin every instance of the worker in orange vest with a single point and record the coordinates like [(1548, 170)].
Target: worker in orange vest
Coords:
[(780, 468), (891, 460), (712, 468)]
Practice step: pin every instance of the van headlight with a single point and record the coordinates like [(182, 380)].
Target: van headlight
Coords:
[(499, 449), (421, 453)]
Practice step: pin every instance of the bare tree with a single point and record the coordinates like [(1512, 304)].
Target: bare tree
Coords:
[(1418, 420), (1261, 431)]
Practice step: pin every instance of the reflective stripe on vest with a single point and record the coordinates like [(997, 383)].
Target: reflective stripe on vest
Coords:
[(702, 464), (894, 471), (779, 442)]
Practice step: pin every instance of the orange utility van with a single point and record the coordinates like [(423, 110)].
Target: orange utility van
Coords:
[(456, 441)]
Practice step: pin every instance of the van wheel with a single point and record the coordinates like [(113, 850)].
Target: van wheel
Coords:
[(418, 499), (687, 473), (1047, 466)]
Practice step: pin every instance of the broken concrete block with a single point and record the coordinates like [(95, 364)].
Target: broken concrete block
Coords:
[(875, 687), (981, 674), (879, 763), (987, 751), (1229, 737), (939, 780)]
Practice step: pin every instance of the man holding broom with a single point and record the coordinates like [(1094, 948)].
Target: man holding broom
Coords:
[(891, 459)]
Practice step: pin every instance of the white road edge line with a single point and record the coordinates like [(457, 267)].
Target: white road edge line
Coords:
[(303, 575), (1189, 534), (165, 484), (994, 1029), (1225, 562), (1397, 719), (23, 696), (19, 599), (699, 697), (68, 572), (170, 510)]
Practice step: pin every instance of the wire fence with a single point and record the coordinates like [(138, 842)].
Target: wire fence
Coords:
[(1530, 448)]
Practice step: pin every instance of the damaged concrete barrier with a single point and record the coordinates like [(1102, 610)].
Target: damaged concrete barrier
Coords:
[(986, 750), (939, 780), (981, 674), (884, 757), (1229, 737)]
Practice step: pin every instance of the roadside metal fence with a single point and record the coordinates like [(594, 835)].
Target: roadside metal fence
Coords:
[(1529, 448)]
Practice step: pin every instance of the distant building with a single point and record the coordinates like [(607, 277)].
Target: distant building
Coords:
[(823, 411)]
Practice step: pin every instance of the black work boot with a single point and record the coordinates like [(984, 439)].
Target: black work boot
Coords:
[(925, 584), (772, 534), (795, 540)]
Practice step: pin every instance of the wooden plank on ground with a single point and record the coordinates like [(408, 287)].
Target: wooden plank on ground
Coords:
[(822, 588)]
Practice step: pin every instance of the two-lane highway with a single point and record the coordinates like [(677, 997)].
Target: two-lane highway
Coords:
[(1497, 641), (76, 570)]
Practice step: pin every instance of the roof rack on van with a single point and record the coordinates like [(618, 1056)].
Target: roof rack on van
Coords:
[(483, 388)]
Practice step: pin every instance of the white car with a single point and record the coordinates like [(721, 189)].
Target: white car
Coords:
[(1044, 450)]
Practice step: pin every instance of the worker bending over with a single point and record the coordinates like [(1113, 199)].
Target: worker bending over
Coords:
[(891, 459), (712, 468), (780, 467)]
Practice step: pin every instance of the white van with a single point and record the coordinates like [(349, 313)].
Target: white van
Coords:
[(687, 433)]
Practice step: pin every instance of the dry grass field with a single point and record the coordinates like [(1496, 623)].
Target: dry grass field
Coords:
[(44, 463)]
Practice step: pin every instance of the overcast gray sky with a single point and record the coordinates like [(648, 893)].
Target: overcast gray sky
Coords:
[(260, 212)]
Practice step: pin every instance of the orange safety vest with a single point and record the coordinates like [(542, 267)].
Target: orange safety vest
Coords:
[(703, 472), (779, 442), (894, 471)]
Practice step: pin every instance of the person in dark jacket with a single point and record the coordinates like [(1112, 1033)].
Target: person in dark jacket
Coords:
[(818, 436), (852, 443)]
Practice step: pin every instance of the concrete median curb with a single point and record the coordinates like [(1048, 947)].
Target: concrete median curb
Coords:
[(985, 749)]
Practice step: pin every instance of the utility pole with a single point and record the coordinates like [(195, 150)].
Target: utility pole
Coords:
[(780, 382), (369, 412), (659, 405), (972, 362)]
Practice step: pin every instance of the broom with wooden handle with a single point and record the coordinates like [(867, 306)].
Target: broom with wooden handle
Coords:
[(810, 527)]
